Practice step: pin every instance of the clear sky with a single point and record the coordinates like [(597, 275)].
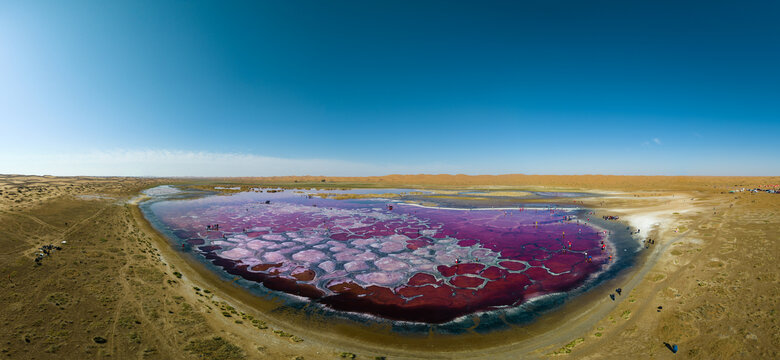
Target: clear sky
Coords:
[(371, 87)]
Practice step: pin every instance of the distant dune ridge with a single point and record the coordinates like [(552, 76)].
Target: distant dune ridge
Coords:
[(516, 180)]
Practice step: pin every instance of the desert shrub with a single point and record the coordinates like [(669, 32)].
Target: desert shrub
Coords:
[(215, 348), (59, 298)]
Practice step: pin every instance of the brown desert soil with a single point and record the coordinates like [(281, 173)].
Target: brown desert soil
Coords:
[(118, 289)]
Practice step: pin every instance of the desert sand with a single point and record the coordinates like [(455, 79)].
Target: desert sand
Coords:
[(118, 289)]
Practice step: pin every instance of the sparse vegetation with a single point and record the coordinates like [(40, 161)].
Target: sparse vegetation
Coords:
[(626, 314), (281, 333), (215, 348), (566, 349), (60, 299)]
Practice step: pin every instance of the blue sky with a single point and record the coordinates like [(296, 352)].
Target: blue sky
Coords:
[(369, 88)]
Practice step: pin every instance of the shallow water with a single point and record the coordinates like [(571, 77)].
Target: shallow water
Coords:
[(415, 266)]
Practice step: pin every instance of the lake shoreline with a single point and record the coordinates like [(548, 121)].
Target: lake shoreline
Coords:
[(378, 334)]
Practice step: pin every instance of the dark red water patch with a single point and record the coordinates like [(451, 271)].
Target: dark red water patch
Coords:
[(467, 242), (411, 233), (422, 279), (470, 268), (478, 253), (494, 273), (538, 274), (430, 313), (340, 236), (466, 281), (291, 286), (415, 244), (264, 267), (447, 271), (563, 261), (536, 263), (304, 275), (358, 236), (348, 287), (535, 290), (430, 295), (513, 265), (518, 280)]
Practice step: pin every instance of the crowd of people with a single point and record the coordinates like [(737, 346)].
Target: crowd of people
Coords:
[(770, 189), (45, 251)]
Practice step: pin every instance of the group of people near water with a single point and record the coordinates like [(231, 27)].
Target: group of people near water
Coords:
[(771, 189)]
